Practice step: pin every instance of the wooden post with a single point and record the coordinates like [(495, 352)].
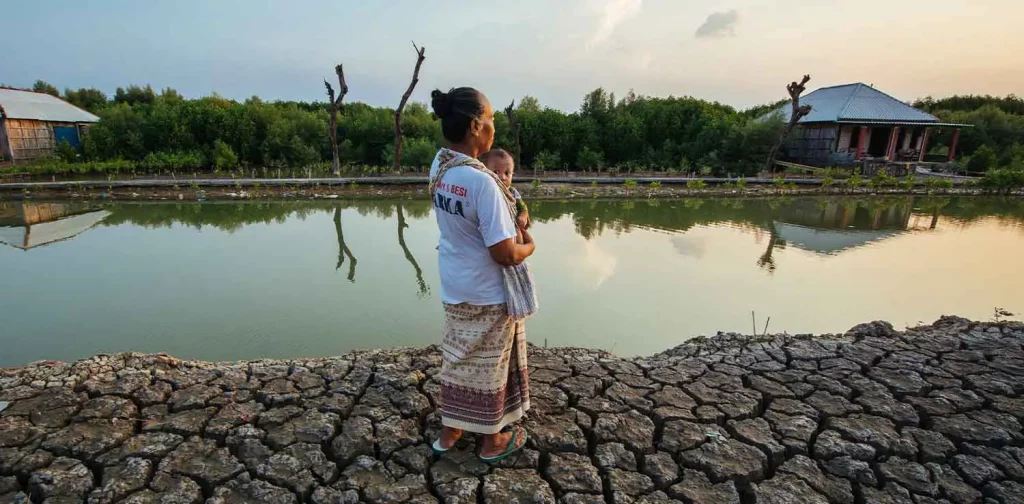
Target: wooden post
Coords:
[(924, 144), (952, 144), (862, 141)]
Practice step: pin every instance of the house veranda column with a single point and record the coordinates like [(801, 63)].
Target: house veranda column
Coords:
[(924, 144), (862, 142), (952, 144)]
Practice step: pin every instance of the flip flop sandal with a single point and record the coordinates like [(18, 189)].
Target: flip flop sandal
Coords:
[(436, 447), (509, 449)]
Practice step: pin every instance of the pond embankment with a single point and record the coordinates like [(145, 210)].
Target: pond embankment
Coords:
[(548, 188), (929, 414)]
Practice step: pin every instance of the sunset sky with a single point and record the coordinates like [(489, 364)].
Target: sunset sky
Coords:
[(740, 52)]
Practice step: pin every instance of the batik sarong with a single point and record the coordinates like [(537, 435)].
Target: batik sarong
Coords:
[(484, 375)]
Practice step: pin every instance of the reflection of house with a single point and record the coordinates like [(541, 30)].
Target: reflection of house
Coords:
[(852, 122), (32, 124), (839, 225), (30, 225), (828, 241), (844, 214)]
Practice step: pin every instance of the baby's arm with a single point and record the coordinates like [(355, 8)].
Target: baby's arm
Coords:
[(523, 219), (522, 212)]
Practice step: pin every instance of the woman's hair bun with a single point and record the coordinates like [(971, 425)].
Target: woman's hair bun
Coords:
[(440, 103)]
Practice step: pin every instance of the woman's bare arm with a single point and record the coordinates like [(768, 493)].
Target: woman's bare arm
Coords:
[(510, 253)]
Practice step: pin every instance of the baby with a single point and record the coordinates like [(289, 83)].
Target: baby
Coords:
[(501, 163)]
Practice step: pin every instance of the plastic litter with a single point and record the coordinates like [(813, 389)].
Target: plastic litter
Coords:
[(714, 435)]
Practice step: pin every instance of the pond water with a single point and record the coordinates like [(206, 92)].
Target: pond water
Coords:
[(224, 280)]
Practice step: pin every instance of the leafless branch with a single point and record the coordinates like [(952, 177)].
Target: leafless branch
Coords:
[(401, 105), (799, 112), (333, 106)]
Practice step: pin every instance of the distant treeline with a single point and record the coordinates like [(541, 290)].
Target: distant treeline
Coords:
[(161, 130), (996, 139), (635, 133)]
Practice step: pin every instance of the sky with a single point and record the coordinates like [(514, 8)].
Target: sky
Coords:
[(738, 52)]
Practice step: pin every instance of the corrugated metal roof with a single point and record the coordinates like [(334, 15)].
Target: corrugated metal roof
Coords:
[(906, 123), (856, 102), (17, 104)]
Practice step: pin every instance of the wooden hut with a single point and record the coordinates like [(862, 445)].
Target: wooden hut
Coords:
[(32, 124), (852, 123)]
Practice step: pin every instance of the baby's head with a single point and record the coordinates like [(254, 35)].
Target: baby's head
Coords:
[(501, 163)]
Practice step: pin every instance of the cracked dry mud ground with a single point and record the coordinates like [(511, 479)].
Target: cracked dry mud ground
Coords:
[(929, 415)]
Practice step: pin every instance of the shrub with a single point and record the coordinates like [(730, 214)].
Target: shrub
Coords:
[(881, 179), (982, 160), (547, 160), (224, 157), (65, 152), (933, 183), (1003, 179), (590, 159)]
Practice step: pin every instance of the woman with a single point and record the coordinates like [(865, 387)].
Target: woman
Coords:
[(484, 383)]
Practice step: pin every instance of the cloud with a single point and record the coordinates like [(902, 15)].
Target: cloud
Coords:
[(614, 13), (719, 24), (690, 246), (593, 265)]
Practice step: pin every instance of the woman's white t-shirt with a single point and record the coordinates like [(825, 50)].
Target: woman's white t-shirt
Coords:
[(472, 215)]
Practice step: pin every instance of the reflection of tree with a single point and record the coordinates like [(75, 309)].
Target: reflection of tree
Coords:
[(408, 255), (767, 261), (342, 248)]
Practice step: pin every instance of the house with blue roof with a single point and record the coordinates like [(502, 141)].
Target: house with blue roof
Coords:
[(852, 123)]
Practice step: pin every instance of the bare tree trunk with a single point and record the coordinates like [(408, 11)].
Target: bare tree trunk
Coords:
[(798, 113), (333, 106), (401, 106), (513, 121), (408, 254), (342, 248)]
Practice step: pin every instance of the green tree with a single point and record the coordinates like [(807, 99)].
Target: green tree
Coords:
[(224, 157), (135, 94), (982, 159), (42, 86), (590, 159), (90, 99), (547, 160)]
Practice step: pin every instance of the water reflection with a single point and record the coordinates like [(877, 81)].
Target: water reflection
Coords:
[(826, 226), (30, 225), (423, 289), (342, 248), (230, 280)]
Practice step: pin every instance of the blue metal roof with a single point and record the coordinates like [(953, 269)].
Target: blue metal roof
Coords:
[(856, 102)]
